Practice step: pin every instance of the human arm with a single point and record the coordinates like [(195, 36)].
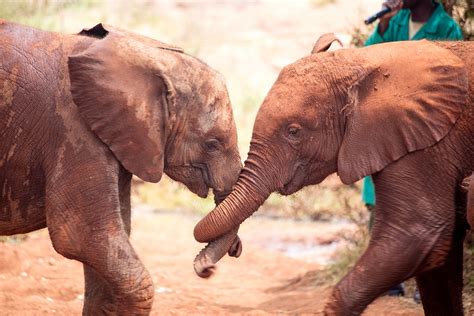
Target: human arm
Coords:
[(379, 35)]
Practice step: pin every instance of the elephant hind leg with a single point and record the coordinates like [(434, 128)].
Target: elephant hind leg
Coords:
[(470, 201), (441, 288)]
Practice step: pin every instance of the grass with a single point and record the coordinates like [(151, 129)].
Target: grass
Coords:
[(320, 202)]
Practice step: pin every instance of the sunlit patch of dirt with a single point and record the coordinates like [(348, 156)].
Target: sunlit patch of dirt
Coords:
[(34, 280)]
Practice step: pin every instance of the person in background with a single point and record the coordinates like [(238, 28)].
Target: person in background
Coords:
[(408, 20)]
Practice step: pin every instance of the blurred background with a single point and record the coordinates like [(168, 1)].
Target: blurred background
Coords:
[(248, 41)]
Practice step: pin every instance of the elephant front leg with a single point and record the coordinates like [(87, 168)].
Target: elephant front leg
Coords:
[(412, 232), (98, 294), (386, 262), (86, 224)]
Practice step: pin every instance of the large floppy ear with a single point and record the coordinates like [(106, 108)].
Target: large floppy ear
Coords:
[(125, 99), (404, 97), (324, 42)]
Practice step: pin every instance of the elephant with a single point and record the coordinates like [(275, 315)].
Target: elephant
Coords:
[(470, 202), (402, 112), (79, 115)]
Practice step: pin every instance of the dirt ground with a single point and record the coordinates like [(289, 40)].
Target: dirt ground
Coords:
[(34, 280)]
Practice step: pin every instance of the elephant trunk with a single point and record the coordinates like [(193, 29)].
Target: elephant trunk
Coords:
[(205, 261), (250, 191), (207, 258)]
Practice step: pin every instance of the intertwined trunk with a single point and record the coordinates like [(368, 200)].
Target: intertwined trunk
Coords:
[(252, 189), (205, 261)]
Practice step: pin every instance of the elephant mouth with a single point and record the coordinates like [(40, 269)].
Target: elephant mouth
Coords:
[(295, 183), (194, 178), (289, 188), (202, 168)]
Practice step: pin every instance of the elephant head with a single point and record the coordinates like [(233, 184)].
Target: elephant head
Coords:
[(352, 111), (157, 109)]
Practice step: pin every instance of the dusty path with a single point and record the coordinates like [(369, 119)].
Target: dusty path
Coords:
[(34, 280)]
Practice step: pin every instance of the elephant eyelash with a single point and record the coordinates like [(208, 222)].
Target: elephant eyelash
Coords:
[(294, 130), (212, 145)]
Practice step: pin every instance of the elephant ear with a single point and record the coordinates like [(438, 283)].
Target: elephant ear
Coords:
[(324, 42), (125, 98), (405, 97)]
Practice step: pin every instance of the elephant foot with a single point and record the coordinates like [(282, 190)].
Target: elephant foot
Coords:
[(99, 303), (96, 307), (334, 306)]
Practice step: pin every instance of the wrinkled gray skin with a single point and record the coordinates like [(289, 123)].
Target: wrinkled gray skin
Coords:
[(79, 114)]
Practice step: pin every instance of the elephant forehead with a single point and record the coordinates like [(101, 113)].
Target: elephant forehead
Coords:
[(215, 111), (291, 99), (217, 117)]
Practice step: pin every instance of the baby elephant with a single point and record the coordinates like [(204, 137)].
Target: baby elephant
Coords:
[(79, 114), (402, 112)]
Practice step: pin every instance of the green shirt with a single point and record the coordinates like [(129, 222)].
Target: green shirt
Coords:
[(440, 26)]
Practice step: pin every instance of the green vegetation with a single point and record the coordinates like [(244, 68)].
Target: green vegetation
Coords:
[(463, 12)]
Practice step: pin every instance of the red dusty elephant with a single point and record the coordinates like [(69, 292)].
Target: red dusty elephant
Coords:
[(403, 112), (79, 114), (470, 202)]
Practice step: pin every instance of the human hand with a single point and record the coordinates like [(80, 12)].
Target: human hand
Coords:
[(395, 5)]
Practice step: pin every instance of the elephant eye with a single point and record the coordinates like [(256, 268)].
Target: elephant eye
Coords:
[(212, 145), (294, 130)]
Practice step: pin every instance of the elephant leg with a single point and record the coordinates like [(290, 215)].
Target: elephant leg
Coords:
[(85, 223), (413, 229), (98, 293), (441, 288), (383, 265)]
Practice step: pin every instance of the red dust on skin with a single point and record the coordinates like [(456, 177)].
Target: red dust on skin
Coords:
[(470, 201), (79, 114), (359, 112)]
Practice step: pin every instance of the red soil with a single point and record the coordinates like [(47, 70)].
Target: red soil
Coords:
[(34, 280)]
